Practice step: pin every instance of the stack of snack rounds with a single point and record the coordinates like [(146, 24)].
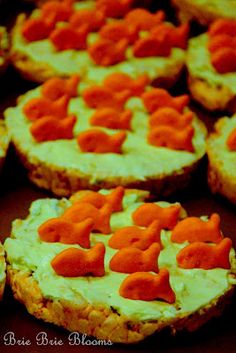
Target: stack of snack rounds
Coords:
[(115, 267), (211, 63), (221, 147), (93, 39), (72, 135)]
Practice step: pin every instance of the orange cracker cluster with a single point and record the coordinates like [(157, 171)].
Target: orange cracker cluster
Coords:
[(74, 262), (168, 125), (222, 45), (114, 37)]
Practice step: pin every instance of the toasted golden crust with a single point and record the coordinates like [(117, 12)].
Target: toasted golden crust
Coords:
[(42, 71), (213, 90), (103, 322), (212, 96), (4, 142), (204, 13), (4, 65), (221, 180), (2, 276)]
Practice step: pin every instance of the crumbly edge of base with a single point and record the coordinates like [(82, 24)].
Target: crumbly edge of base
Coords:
[(100, 321), (188, 11), (41, 72), (219, 180), (64, 182), (212, 97)]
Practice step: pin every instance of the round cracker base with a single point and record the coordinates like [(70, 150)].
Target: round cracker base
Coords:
[(64, 182), (219, 180), (221, 183), (102, 322)]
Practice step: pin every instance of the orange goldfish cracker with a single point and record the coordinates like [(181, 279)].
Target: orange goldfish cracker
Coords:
[(207, 257), (74, 262), (97, 141), (105, 52), (111, 118), (177, 36), (63, 231), (54, 11), (116, 31), (81, 211), (114, 9), (221, 41), (119, 81), (136, 237), (56, 87), (114, 199), (167, 136), (144, 20), (145, 214), (158, 98), (35, 29), (151, 46), (223, 26), (64, 38), (231, 140), (147, 286), (224, 60), (94, 19), (170, 116), (37, 108), (193, 229), (130, 260), (102, 97), (50, 128)]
